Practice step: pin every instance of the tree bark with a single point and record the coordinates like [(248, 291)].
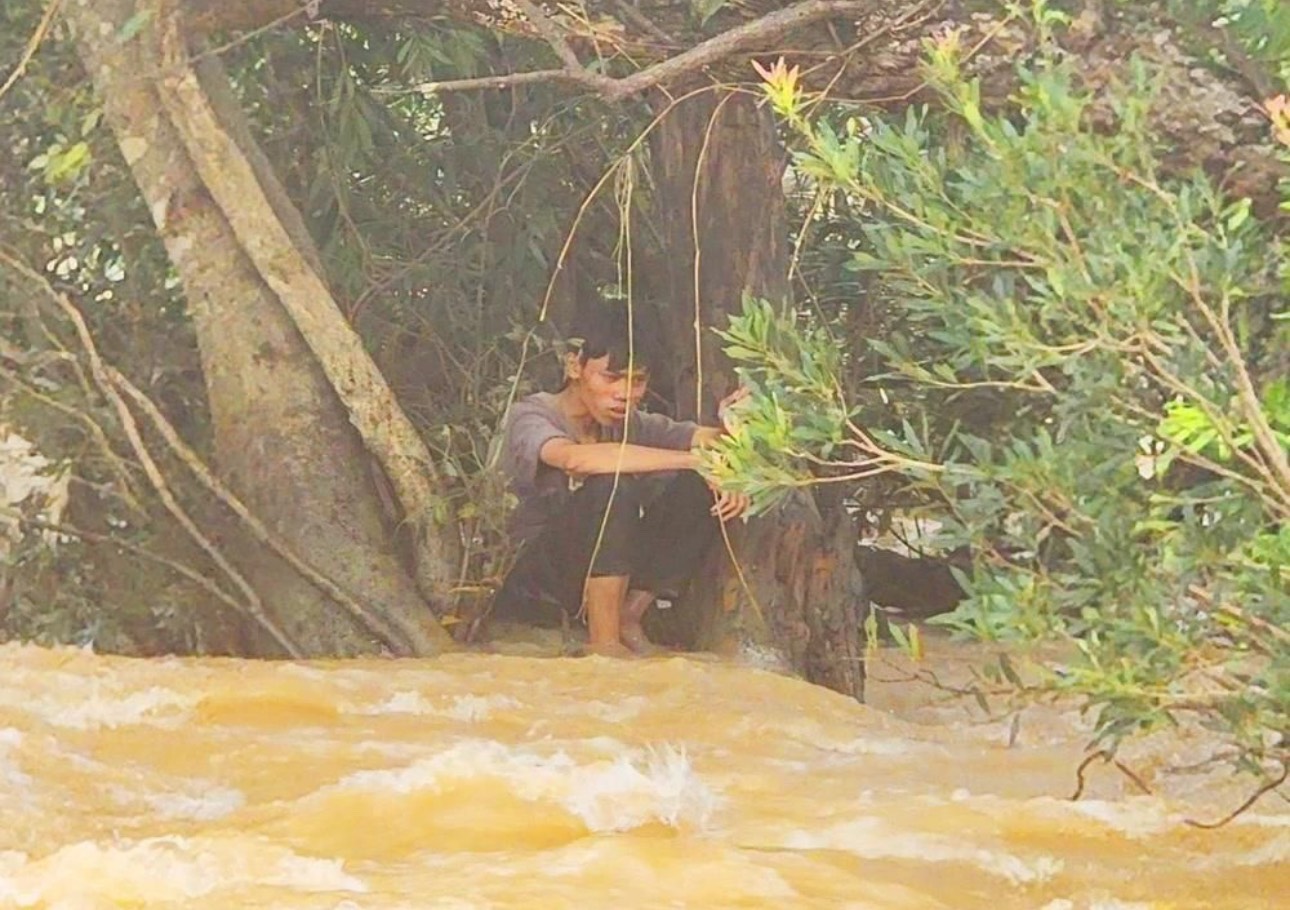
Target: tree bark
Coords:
[(282, 439), (791, 596)]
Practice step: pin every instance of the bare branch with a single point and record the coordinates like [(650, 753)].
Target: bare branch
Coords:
[(743, 38), (508, 80), (33, 44), (178, 568), (737, 40), (1268, 786), (1106, 756)]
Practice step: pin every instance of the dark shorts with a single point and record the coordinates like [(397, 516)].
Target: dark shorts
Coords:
[(654, 528)]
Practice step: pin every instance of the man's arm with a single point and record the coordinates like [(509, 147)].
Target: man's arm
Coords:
[(706, 436), (613, 457)]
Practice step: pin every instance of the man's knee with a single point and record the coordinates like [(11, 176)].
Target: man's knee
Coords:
[(690, 484), (608, 511), (620, 494)]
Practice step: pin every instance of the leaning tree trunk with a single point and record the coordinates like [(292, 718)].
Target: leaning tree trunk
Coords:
[(792, 594), (284, 372)]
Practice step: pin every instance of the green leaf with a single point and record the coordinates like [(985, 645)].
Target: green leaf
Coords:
[(1238, 215), (66, 164), (871, 630), (132, 26), (706, 9)]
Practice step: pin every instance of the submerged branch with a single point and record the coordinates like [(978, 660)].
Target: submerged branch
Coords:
[(1105, 756), (1268, 787)]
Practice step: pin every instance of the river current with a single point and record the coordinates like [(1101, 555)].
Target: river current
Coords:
[(509, 781)]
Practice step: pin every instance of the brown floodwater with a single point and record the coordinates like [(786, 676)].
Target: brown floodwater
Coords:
[(508, 781)]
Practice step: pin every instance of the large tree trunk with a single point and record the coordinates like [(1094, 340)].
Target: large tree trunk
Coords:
[(792, 595), (284, 442)]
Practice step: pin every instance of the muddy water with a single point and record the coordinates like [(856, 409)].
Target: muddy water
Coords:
[(493, 781)]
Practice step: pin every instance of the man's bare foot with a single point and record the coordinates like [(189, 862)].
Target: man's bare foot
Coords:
[(612, 649), (634, 637), (635, 606)]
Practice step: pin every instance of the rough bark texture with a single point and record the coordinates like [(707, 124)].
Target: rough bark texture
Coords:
[(725, 232), (795, 598), (282, 439), (233, 182)]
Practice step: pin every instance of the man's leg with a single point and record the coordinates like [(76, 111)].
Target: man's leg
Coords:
[(602, 598), (599, 536), (528, 594), (595, 550), (675, 535)]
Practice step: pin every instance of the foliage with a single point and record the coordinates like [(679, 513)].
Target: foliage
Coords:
[(69, 208), (438, 220), (1089, 390), (1260, 28)]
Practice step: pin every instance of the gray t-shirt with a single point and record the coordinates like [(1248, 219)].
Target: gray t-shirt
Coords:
[(541, 489)]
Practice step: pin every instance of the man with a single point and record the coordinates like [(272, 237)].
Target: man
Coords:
[(611, 514)]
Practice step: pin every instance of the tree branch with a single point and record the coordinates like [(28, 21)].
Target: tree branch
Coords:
[(178, 568), (33, 44), (736, 40), (641, 21), (742, 38)]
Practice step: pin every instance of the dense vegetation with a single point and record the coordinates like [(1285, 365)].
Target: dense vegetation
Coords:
[(1085, 386), (1038, 268)]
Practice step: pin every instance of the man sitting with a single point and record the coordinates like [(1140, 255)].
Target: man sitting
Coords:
[(612, 514)]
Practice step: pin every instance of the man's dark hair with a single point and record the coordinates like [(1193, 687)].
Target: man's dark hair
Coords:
[(603, 329)]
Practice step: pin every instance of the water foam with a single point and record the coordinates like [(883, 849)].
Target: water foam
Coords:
[(10, 773), (613, 794), (96, 709), (162, 869), (467, 708), (476, 708), (1135, 817), (617, 712), (1275, 852), (625, 795), (871, 839), (211, 804)]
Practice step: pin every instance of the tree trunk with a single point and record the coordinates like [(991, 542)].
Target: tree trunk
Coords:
[(283, 441), (792, 596)]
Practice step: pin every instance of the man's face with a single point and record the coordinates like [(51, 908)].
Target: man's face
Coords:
[(608, 394)]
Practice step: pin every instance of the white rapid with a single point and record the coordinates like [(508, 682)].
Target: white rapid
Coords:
[(491, 781)]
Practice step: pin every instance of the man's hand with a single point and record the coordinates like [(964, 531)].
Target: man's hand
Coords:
[(727, 406), (729, 505)]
